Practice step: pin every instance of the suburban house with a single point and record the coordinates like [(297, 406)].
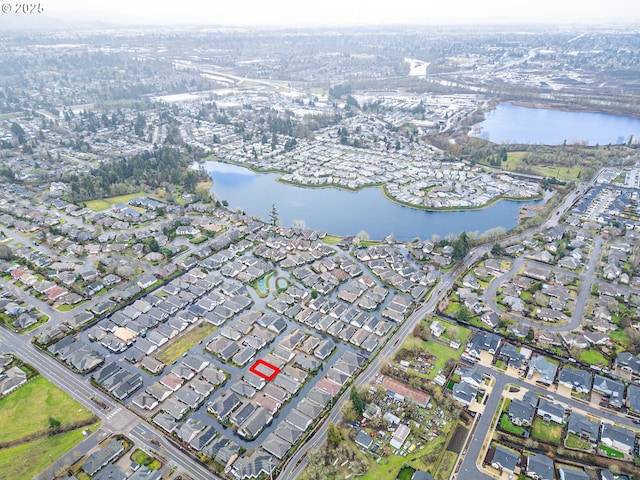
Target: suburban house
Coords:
[(503, 459), (611, 390), (544, 367), (618, 438), (628, 362), (437, 328), (539, 467), (11, 380), (567, 473), (471, 376), (464, 393), (633, 398), (586, 429), (550, 411), (102, 457), (418, 475), (520, 413), (483, 341), (363, 440), (575, 379)]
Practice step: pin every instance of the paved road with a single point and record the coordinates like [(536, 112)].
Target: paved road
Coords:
[(587, 280), (118, 419), (578, 310), (468, 468), (297, 463)]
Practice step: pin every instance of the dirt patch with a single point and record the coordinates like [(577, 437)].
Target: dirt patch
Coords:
[(457, 439)]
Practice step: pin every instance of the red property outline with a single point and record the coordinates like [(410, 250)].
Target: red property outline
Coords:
[(268, 378)]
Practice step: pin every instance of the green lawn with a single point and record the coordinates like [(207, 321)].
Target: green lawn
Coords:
[(106, 203), (406, 473), (455, 332), (377, 471), (441, 352), (68, 308), (446, 465), (28, 460), (557, 171), (98, 205), (593, 357), (141, 458), (331, 239), (508, 426), (27, 410), (185, 342), (551, 432), (621, 338), (427, 457), (574, 441), (610, 452), (452, 309)]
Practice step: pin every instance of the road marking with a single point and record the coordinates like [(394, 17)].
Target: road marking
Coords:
[(114, 412)]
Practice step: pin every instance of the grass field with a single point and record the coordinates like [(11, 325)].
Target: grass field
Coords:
[(441, 352), (571, 174), (377, 471), (592, 357), (106, 203), (551, 432), (28, 460), (175, 348), (27, 410), (331, 239), (68, 308), (611, 453), (141, 458), (455, 332), (574, 441), (446, 466), (427, 457), (621, 338), (508, 426)]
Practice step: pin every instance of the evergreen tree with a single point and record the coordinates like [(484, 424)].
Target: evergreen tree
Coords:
[(274, 218), (356, 399)]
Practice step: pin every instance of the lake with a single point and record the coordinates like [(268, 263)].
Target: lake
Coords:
[(514, 124), (341, 212)]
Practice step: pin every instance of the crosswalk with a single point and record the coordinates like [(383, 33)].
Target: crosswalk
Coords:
[(113, 413)]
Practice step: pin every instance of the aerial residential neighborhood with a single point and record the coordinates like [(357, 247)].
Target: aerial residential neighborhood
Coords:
[(258, 254)]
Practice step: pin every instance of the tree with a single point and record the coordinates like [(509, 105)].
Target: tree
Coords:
[(380, 393), (411, 410), (334, 435), (463, 314), (448, 366), (203, 192), (356, 399), (5, 252), (316, 469), (496, 249), (361, 237), (460, 246), (349, 413), (274, 218), (190, 181), (153, 245), (54, 424)]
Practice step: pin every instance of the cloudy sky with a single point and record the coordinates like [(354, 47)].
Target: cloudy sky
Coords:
[(344, 12)]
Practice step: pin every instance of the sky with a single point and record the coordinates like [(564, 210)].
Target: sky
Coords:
[(305, 13)]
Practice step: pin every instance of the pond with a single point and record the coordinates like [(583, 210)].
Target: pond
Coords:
[(341, 212), (514, 124)]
